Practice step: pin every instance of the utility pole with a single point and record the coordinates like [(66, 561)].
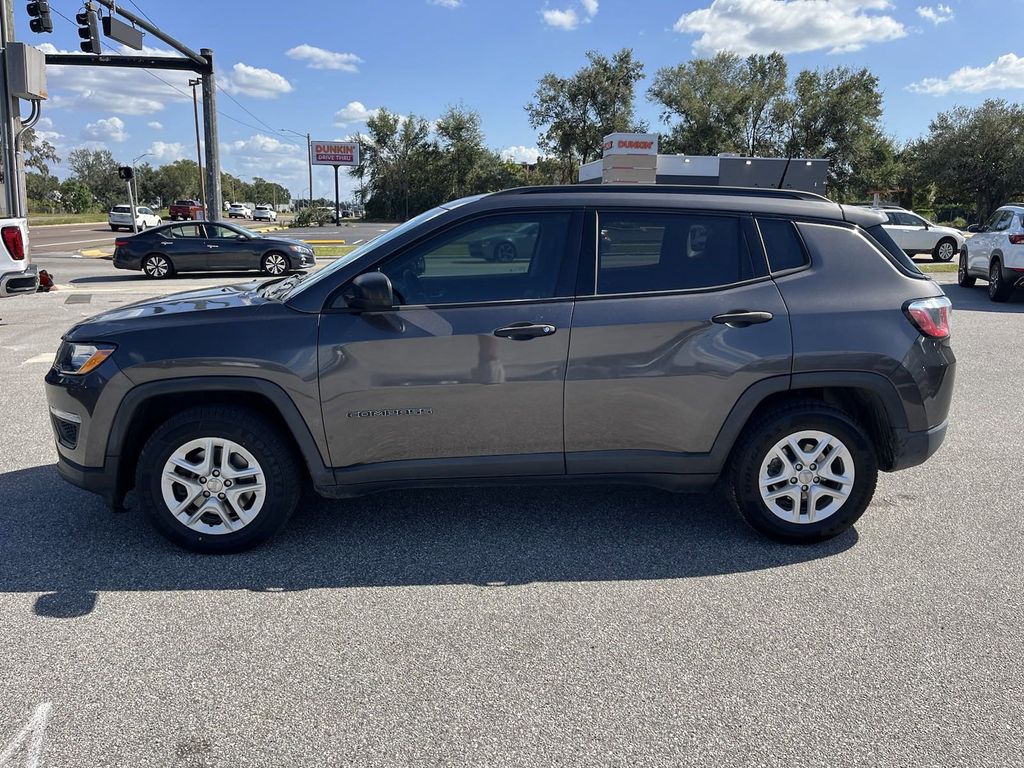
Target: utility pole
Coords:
[(10, 117), (309, 159), (214, 201), (135, 175), (199, 144)]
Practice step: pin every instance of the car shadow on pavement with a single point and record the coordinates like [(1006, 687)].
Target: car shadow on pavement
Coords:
[(976, 299), (138, 277), (66, 544)]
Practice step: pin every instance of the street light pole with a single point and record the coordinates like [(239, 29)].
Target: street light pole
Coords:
[(199, 150), (309, 158), (135, 175)]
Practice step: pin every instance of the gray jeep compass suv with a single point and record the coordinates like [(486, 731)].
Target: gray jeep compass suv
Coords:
[(671, 336)]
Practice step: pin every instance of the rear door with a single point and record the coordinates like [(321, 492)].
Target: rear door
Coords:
[(465, 376), (681, 319), (185, 245)]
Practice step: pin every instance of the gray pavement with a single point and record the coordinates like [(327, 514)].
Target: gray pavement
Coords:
[(521, 626)]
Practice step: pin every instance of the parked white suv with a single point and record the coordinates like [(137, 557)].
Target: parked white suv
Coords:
[(239, 211), (916, 235), (120, 217), (264, 213), (996, 253)]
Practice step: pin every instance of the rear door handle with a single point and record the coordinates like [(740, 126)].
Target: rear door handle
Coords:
[(212, 246), (741, 318), (524, 331)]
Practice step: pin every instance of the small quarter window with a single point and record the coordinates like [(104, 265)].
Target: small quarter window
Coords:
[(782, 244)]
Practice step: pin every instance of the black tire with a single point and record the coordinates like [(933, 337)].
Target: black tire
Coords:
[(505, 251), (998, 289), (113, 228), (270, 260), (763, 434), (963, 278), (151, 268), (275, 456), (939, 253)]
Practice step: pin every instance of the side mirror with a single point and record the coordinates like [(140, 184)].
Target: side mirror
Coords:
[(974, 228), (370, 292)]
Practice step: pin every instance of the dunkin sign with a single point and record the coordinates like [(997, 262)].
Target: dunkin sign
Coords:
[(335, 153), (631, 144)]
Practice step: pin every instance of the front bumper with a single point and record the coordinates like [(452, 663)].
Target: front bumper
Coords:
[(98, 480), (26, 281)]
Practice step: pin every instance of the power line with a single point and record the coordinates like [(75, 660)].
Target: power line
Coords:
[(145, 15)]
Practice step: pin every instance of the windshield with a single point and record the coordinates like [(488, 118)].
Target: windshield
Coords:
[(300, 283)]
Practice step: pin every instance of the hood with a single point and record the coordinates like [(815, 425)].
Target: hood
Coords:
[(179, 308), (286, 241)]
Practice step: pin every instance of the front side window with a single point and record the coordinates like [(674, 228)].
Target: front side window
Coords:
[(642, 252), (497, 258)]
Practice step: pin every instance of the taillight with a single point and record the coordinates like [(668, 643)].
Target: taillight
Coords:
[(930, 316), (14, 242), (119, 243), (1017, 239)]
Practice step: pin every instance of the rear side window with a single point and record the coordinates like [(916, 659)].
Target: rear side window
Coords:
[(844, 241), (782, 244), (121, 209), (641, 252)]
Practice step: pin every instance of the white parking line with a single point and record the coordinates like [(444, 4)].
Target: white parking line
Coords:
[(357, 242), (45, 358)]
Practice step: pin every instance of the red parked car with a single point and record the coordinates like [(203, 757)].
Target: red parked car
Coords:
[(186, 210)]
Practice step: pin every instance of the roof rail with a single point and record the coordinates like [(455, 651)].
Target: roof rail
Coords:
[(668, 189)]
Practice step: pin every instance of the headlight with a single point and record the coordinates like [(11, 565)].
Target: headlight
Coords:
[(301, 248), (78, 359)]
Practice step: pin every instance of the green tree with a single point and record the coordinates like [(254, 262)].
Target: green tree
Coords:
[(76, 196), (400, 166), (974, 156), (174, 181), (462, 145), (39, 153), (97, 170), (575, 113)]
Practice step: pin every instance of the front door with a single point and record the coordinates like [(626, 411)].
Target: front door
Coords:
[(465, 376), (682, 319), (228, 248), (185, 244)]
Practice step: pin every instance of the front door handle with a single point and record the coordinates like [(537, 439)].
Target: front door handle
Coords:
[(524, 331), (741, 318)]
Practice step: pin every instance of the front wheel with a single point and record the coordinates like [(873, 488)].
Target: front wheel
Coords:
[(217, 479), (998, 289), (274, 263), (945, 250), (803, 473), (963, 277)]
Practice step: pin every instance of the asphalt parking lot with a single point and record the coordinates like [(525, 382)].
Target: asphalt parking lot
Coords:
[(517, 626)]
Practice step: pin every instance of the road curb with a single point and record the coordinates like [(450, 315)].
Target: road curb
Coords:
[(97, 253), (324, 242)]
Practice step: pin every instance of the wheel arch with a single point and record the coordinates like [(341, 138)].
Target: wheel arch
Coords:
[(147, 406)]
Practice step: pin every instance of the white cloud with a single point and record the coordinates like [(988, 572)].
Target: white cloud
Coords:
[(566, 19), (520, 154), (114, 90), (937, 15), (590, 6), (107, 129), (269, 158), (257, 82), (1006, 72), (156, 125), (446, 3), (44, 130), (167, 152), (260, 143), (789, 26), (320, 58), (353, 112)]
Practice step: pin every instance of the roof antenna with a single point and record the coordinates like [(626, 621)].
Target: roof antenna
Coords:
[(785, 171)]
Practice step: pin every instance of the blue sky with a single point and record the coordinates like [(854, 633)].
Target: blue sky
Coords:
[(323, 65)]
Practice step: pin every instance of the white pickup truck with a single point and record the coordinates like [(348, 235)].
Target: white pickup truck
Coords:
[(17, 273)]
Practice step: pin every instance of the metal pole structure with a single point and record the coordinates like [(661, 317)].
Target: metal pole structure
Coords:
[(199, 144), (214, 201), (135, 174), (10, 117), (131, 205), (309, 158), (337, 200)]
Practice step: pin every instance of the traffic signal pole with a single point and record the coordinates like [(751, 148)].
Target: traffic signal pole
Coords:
[(15, 202), (214, 201)]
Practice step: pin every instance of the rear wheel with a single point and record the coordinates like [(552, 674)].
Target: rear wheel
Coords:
[(963, 277), (274, 263), (505, 251), (945, 250), (217, 479), (998, 289), (157, 266), (803, 473)]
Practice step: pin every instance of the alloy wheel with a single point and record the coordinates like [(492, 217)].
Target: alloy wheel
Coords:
[(275, 264), (806, 477), (946, 251), (157, 266), (213, 486)]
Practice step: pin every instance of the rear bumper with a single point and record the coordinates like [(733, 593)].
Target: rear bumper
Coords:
[(26, 281), (913, 448)]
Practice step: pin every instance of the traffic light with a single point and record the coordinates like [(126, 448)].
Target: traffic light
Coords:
[(39, 13), (89, 31), (125, 173)]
